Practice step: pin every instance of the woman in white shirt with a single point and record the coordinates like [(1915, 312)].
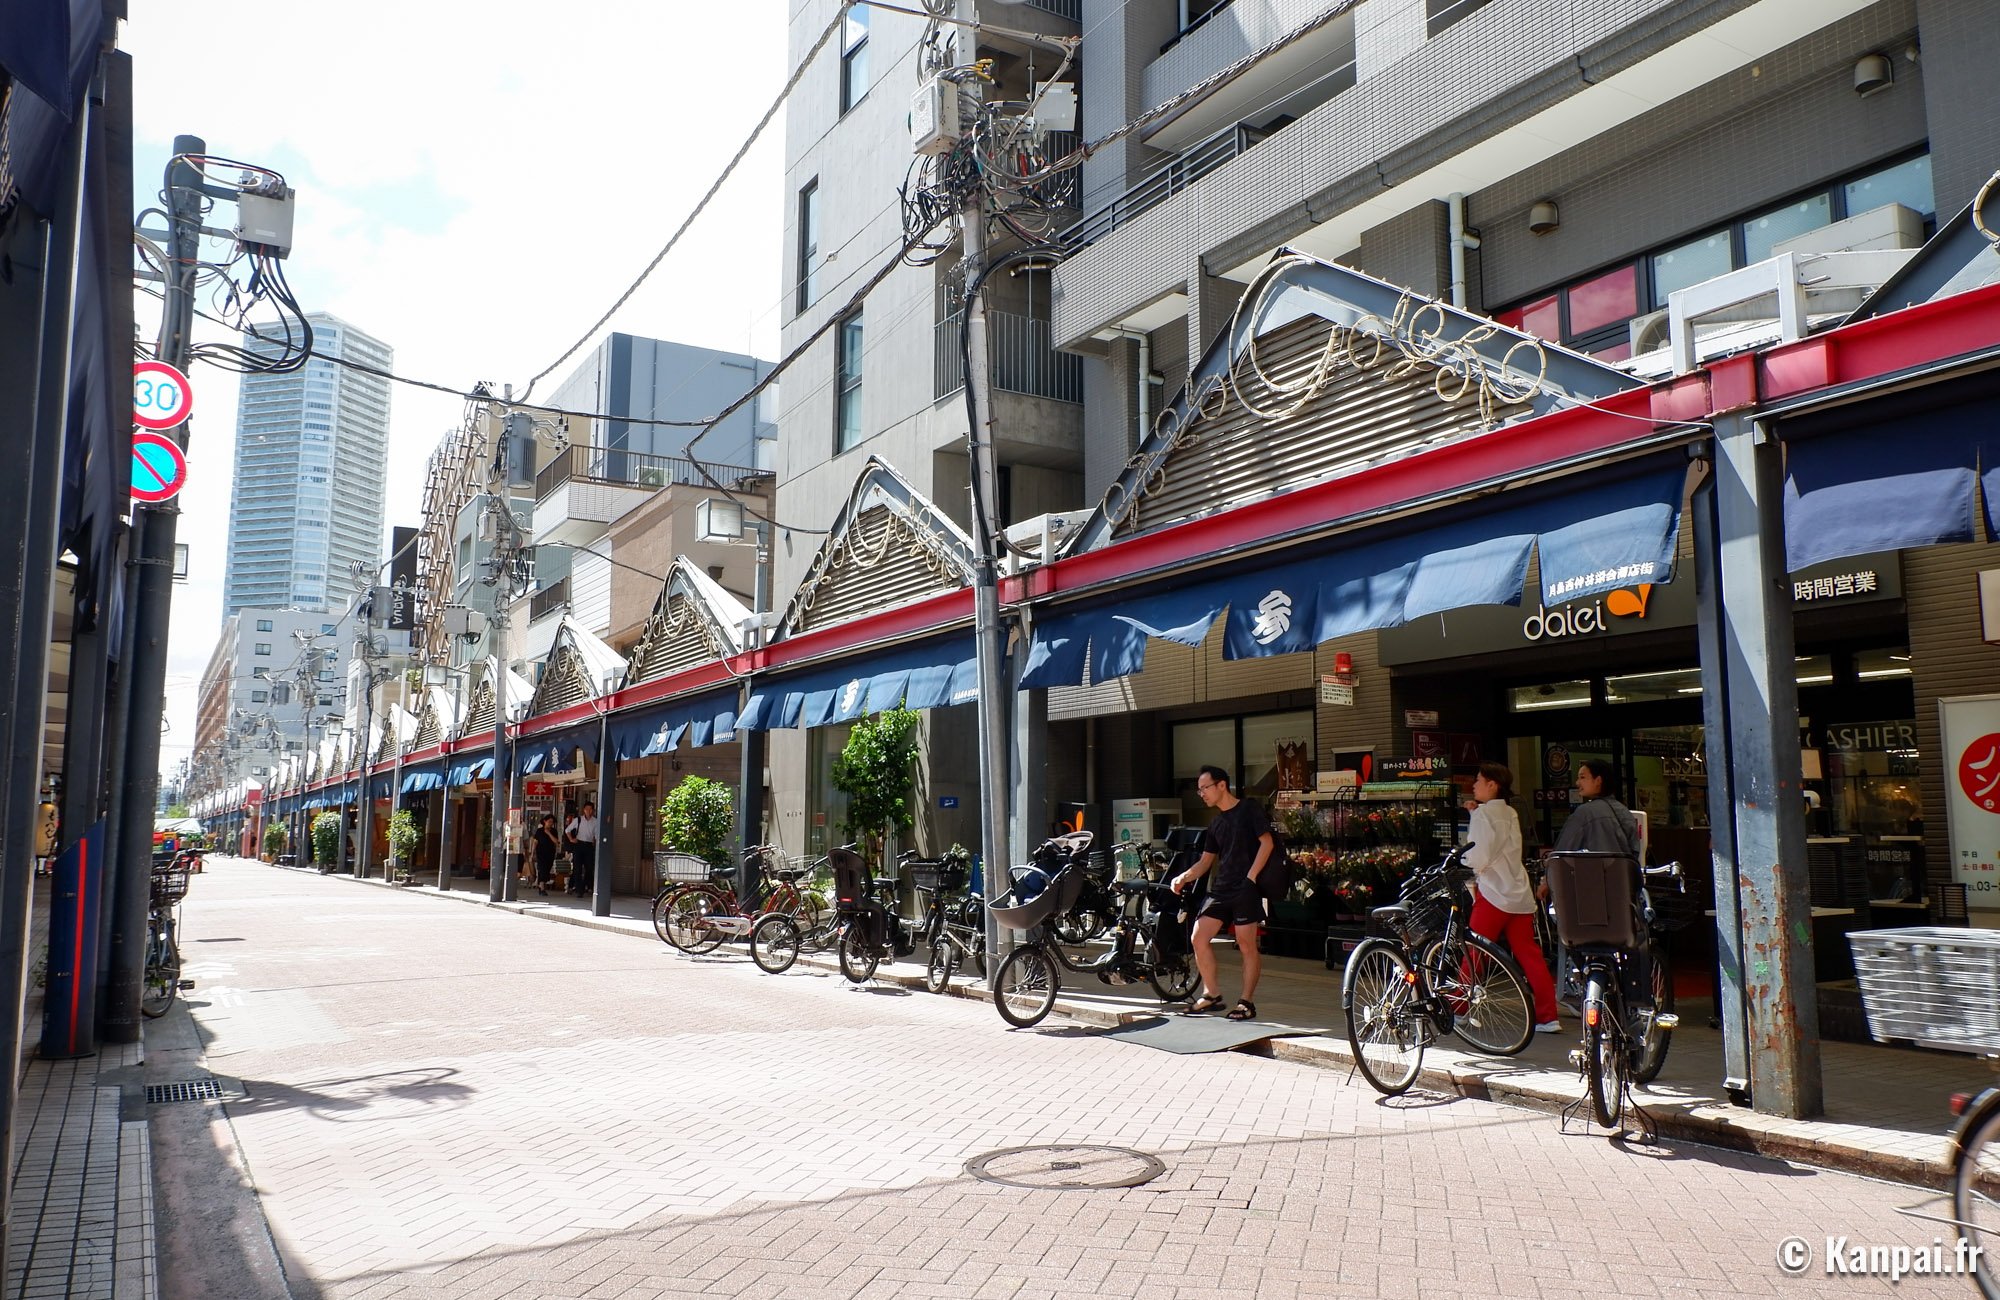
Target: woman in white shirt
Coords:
[(1503, 906)]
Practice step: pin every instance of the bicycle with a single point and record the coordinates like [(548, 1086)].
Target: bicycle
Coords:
[(1603, 908), (162, 979), (776, 940), (698, 910), (870, 930), (1429, 975), (1094, 909), (1025, 986), (953, 929)]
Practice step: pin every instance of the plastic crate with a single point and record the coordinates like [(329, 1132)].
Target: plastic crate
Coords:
[(1935, 986), (1596, 898)]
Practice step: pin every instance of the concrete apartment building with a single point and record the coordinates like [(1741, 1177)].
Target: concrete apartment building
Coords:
[(242, 731), (312, 454)]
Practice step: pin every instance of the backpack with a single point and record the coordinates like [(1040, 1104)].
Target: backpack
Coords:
[(1276, 880)]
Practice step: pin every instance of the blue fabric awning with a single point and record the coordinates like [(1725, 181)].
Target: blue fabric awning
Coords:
[(1891, 483), (662, 728), (926, 675), (418, 780), (470, 770), (1595, 536)]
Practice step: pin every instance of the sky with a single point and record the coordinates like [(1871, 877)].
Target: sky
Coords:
[(476, 183)]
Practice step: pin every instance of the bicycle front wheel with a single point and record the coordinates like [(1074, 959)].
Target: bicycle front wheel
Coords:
[(1650, 1053), (1490, 1005), (774, 943), (163, 979), (1604, 1056), (1975, 1197), (1173, 978), (1024, 991), (858, 955), (687, 912), (1386, 1028), (944, 960)]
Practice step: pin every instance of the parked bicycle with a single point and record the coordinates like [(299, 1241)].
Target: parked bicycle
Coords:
[(1604, 917), (698, 911), (870, 932), (1149, 934), (1428, 975), (952, 930), (162, 979), (1095, 907)]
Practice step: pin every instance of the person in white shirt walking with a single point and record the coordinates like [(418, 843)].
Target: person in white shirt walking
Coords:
[(583, 849), (1503, 905)]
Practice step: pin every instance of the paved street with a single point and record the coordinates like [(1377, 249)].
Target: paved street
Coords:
[(448, 1100)]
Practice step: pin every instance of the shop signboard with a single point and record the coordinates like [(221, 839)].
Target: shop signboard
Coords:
[(1430, 744), (1971, 732), (1416, 718), (1333, 692)]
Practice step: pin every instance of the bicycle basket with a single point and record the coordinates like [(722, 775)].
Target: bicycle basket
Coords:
[(169, 886), (930, 877), (674, 866), (1596, 898), (1421, 912), (793, 869), (1036, 896), (1936, 986)]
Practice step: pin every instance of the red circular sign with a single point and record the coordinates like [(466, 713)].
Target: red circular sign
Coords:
[(162, 397), (159, 468), (1979, 771)]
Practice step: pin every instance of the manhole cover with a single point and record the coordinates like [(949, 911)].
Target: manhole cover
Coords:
[(196, 1090), (1066, 1168)]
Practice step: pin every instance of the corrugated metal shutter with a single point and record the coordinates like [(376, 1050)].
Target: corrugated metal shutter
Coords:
[(479, 717), (881, 561), (675, 640), (1359, 417), (590, 591), (564, 682), (430, 729), (1947, 658)]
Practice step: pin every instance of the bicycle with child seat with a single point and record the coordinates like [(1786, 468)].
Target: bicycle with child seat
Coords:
[(871, 932), (697, 910), (1155, 950), (1426, 975), (952, 931), (1605, 917), (162, 979)]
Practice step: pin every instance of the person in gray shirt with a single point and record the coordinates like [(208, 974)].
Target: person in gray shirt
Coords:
[(1602, 823)]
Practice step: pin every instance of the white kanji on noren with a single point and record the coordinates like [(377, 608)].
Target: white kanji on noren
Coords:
[(1274, 618)]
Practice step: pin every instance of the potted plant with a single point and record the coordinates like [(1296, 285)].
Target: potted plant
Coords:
[(877, 773), (404, 836), (326, 831), (697, 817), (274, 841)]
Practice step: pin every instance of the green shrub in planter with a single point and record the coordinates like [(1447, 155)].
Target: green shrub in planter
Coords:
[(697, 817), (274, 839), (326, 829), (404, 836)]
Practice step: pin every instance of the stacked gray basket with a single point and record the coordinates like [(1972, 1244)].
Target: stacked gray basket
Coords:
[(1935, 986)]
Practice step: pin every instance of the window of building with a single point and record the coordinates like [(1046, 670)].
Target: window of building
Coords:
[(261, 674), (847, 399), (263, 647), (1784, 222), (326, 701), (1196, 12), (326, 674), (260, 697), (263, 625), (808, 244), (1440, 14), (1246, 748), (854, 57), (1907, 182)]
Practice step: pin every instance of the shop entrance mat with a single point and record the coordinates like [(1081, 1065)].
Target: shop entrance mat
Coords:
[(1194, 1034)]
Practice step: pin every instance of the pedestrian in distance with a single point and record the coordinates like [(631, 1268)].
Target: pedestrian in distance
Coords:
[(547, 845), (1235, 847), (1503, 903), (581, 835)]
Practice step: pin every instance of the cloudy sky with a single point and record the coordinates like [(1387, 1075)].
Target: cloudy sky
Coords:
[(476, 184)]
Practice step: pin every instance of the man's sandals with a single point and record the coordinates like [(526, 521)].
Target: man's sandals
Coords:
[(1244, 1009), (1201, 1006)]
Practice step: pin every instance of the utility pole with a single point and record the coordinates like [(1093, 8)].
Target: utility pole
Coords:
[(149, 605), (750, 744)]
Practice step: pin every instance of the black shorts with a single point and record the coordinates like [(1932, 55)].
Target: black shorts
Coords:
[(1243, 906)]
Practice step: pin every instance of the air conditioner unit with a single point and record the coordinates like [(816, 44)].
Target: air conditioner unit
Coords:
[(1043, 536), (1648, 332)]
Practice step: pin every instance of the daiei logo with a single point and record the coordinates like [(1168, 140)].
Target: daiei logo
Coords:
[(1583, 619)]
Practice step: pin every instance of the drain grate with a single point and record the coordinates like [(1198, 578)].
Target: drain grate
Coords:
[(158, 1094), (1066, 1168)]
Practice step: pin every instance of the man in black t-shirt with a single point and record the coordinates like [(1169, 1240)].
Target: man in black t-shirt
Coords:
[(1236, 846)]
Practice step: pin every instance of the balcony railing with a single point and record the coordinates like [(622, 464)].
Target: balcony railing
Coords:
[(638, 468), (1023, 356), (1159, 186), (549, 599), (1070, 9)]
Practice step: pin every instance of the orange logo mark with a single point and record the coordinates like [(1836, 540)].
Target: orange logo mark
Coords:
[(1630, 602)]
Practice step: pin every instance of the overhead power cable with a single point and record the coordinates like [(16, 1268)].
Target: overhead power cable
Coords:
[(839, 18)]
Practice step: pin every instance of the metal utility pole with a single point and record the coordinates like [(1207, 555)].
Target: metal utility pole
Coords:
[(147, 614), (750, 744)]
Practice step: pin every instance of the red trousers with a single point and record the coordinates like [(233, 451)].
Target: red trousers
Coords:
[(1518, 930)]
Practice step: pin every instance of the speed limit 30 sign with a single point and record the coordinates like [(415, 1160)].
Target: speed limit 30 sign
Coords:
[(162, 398)]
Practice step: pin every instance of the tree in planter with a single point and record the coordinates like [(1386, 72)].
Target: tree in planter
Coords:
[(326, 829), (404, 836), (877, 773), (274, 840), (697, 817)]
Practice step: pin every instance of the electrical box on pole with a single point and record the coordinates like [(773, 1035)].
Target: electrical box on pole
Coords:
[(936, 119)]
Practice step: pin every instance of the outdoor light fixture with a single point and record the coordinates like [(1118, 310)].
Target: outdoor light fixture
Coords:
[(180, 561), (1873, 72), (1543, 217), (718, 520)]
